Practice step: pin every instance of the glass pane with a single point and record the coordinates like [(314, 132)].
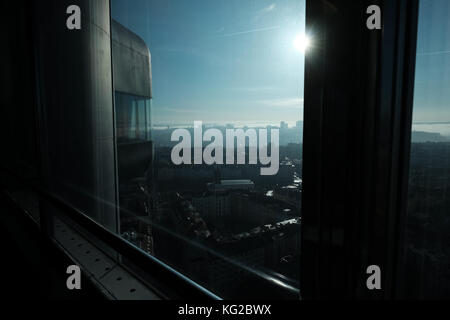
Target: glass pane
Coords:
[(211, 183), (428, 224)]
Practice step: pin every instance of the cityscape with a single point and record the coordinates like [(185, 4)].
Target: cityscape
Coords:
[(228, 227), (225, 226)]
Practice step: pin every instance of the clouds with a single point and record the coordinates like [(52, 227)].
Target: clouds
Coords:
[(248, 31), (269, 8), (253, 89), (263, 13), (231, 110), (288, 103)]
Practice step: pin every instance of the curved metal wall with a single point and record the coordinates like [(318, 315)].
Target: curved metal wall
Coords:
[(76, 106), (131, 62)]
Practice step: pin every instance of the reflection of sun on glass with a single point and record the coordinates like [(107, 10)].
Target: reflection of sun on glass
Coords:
[(302, 42)]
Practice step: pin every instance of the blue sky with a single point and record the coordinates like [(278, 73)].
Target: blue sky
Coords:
[(221, 61), (224, 61), (432, 87)]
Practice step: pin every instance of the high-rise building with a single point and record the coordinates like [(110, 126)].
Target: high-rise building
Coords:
[(132, 93)]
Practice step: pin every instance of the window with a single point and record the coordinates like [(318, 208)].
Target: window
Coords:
[(428, 222), (133, 118), (211, 182), (161, 145)]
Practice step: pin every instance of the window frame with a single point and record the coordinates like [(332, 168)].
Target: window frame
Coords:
[(358, 115)]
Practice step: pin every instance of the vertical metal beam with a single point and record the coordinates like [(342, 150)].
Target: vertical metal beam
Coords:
[(356, 116), (76, 106)]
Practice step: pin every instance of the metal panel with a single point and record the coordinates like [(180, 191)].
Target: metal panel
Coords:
[(76, 109), (132, 62), (114, 280)]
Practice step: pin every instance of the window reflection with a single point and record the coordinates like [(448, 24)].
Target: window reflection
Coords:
[(427, 271), (229, 65), (133, 118)]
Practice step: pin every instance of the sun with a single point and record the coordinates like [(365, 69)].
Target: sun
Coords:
[(302, 42)]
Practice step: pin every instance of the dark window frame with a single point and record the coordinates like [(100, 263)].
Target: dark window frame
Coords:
[(358, 115)]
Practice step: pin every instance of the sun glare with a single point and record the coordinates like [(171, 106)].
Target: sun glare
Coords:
[(302, 43)]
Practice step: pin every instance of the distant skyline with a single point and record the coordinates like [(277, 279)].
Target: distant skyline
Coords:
[(218, 61)]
